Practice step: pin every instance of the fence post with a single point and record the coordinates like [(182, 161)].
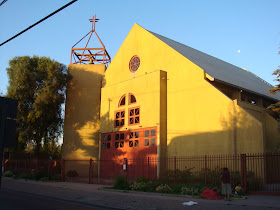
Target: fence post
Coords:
[(205, 170), (90, 169), (36, 161), (63, 171), (5, 162), (175, 170), (148, 166), (243, 172), (49, 165)]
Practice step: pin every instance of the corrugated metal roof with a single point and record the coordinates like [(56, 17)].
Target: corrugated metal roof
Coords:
[(221, 70)]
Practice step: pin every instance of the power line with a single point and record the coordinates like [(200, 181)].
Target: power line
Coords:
[(39, 21), (3, 2)]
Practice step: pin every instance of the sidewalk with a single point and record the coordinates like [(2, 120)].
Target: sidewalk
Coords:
[(97, 195)]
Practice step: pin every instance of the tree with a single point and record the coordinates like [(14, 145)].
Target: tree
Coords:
[(276, 107), (39, 85)]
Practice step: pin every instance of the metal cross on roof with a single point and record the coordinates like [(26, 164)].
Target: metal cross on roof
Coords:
[(87, 55)]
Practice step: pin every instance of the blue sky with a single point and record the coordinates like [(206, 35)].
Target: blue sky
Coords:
[(245, 33)]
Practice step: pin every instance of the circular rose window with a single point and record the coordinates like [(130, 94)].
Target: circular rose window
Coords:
[(134, 63)]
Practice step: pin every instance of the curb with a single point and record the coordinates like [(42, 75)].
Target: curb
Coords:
[(149, 193)]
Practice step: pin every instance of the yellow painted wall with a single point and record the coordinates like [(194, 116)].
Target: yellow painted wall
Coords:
[(82, 112), (145, 88), (270, 125), (272, 133), (200, 118)]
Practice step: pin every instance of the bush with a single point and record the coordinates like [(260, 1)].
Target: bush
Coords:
[(235, 178), (138, 186), (8, 174), (186, 191), (185, 176), (15, 175), (142, 179), (72, 173), (193, 189), (163, 188), (121, 183), (26, 176), (44, 179), (151, 186), (38, 176), (144, 184), (176, 188)]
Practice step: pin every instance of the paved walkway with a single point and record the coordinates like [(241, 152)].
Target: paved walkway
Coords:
[(96, 195)]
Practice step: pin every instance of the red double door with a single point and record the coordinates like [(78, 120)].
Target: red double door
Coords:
[(132, 152)]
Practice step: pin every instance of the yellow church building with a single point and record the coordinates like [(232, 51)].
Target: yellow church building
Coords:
[(160, 98)]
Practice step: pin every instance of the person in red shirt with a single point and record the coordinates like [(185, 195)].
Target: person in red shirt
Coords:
[(226, 186)]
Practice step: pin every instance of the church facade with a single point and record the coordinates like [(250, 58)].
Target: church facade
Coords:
[(160, 98)]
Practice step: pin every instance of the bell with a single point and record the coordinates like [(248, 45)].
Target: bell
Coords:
[(90, 61)]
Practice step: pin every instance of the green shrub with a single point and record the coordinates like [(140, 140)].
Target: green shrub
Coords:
[(121, 183), (138, 186), (186, 191), (38, 176), (8, 174), (183, 176), (142, 179), (44, 179), (72, 173), (163, 188), (144, 184), (176, 188), (235, 178), (151, 186), (190, 191), (15, 176), (193, 189), (25, 176)]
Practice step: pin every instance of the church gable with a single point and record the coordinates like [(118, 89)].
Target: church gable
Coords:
[(150, 54)]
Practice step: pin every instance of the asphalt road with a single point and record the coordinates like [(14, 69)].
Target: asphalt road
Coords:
[(14, 200), (22, 194)]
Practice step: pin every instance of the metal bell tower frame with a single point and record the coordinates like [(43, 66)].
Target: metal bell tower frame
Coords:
[(88, 55)]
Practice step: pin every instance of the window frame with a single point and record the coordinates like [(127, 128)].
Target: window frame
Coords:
[(123, 96), (131, 63), (129, 99), (106, 142), (134, 116), (134, 139), (150, 137), (119, 140), (120, 118)]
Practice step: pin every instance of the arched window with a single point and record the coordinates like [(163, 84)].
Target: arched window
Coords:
[(122, 101), (132, 99), (133, 112)]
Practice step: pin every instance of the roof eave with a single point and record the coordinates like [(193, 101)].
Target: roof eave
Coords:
[(250, 91)]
